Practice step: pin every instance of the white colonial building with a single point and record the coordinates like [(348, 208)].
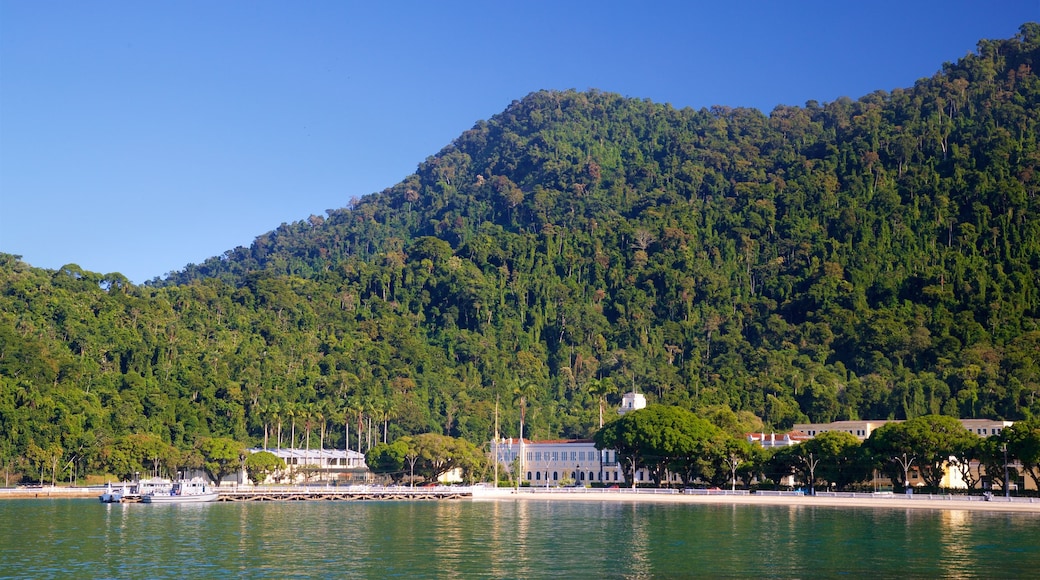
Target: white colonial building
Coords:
[(306, 465)]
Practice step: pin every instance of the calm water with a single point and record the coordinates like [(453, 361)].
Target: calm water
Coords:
[(67, 538)]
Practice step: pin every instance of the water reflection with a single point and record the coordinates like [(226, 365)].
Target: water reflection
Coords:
[(639, 544), (506, 539), (956, 560)]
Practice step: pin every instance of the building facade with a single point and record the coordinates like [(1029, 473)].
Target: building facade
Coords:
[(863, 429), (310, 465), (952, 476), (561, 462), (778, 439)]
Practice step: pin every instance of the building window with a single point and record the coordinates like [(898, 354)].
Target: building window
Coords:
[(555, 454), (556, 476)]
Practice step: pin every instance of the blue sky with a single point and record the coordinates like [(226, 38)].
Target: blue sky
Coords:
[(138, 137)]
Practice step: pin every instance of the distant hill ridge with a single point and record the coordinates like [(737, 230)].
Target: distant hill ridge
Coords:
[(872, 258)]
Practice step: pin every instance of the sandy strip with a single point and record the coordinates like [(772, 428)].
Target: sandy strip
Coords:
[(46, 492), (893, 502)]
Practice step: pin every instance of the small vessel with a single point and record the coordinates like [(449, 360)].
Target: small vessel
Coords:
[(111, 495), (132, 491), (185, 491)]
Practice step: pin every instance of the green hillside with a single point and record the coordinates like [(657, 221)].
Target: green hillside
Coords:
[(874, 258)]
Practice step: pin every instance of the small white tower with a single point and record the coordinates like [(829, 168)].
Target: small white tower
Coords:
[(632, 402)]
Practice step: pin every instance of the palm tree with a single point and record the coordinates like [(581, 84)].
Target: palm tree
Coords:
[(600, 388), (347, 413), (306, 414), (355, 410), (383, 409), (524, 388), (290, 410), (320, 411), (271, 414)]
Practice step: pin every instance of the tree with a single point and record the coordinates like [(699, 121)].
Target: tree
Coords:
[(660, 437), (600, 388), (523, 390), (966, 452), (1023, 443), (927, 442), (261, 465), (388, 459), (936, 438), (781, 462), (221, 456), (840, 458), (141, 453), (738, 453), (890, 445), (438, 455)]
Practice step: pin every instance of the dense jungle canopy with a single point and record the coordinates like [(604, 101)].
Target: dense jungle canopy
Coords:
[(872, 258)]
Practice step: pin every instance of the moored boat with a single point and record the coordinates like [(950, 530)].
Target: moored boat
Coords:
[(190, 491), (111, 495)]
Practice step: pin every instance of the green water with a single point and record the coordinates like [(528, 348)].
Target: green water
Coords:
[(507, 539)]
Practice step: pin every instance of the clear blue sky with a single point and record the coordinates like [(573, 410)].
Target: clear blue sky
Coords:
[(138, 137)]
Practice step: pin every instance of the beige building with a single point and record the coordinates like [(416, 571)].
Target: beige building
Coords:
[(863, 429), (952, 477), (778, 439)]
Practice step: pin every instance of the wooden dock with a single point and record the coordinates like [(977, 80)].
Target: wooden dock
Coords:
[(350, 493), (329, 493)]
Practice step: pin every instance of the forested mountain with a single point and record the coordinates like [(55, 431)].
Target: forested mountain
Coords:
[(871, 258)]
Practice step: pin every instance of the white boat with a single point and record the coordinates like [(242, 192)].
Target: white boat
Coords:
[(190, 491), (131, 491), (111, 495)]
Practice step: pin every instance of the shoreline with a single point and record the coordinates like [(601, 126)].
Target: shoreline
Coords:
[(948, 503), (47, 492), (894, 502)]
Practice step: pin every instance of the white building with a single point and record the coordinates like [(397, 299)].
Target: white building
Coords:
[(632, 402), (565, 462), (778, 440), (303, 465)]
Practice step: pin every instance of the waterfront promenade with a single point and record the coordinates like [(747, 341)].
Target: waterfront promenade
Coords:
[(739, 497), (643, 495)]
